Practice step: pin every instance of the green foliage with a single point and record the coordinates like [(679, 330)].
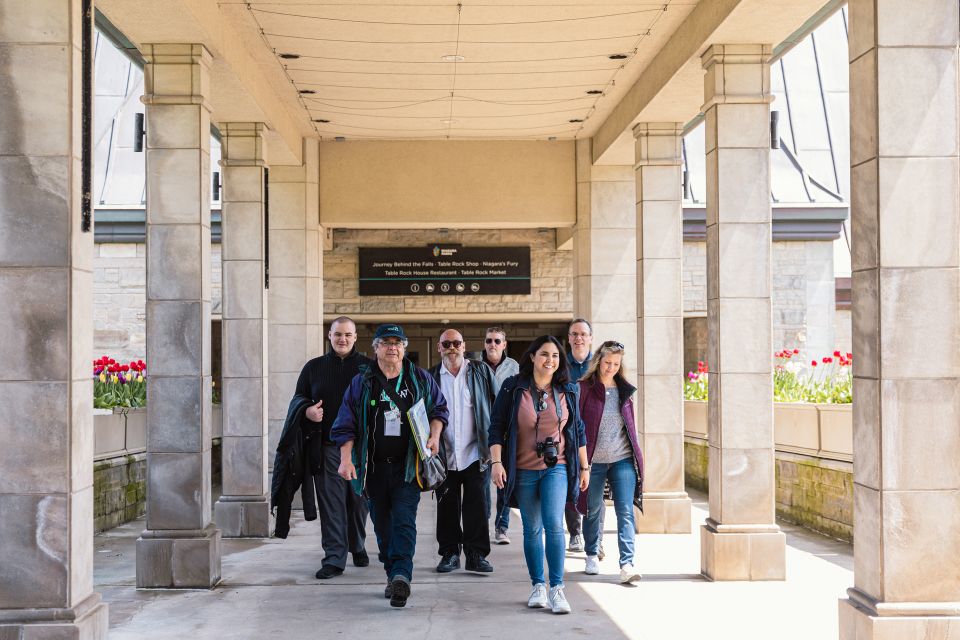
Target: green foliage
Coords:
[(827, 381)]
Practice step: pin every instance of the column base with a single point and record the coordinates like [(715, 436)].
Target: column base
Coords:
[(87, 621), (664, 513), (242, 518), (743, 555), (859, 619), (178, 559)]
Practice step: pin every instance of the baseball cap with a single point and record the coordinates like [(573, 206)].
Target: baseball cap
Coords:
[(390, 331)]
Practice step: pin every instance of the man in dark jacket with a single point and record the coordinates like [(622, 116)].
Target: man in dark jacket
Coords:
[(378, 453), (580, 338), (468, 388), (343, 515)]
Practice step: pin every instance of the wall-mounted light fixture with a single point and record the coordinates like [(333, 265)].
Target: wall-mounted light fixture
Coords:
[(774, 130), (138, 132)]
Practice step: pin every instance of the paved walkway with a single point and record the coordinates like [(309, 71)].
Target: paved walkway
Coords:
[(269, 591)]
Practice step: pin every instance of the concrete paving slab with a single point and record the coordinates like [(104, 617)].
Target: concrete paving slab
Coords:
[(269, 589)]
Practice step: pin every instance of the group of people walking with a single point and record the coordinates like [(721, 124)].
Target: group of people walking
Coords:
[(548, 431)]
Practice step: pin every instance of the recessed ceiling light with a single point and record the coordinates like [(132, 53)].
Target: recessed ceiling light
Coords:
[(339, 138), (594, 92), (321, 120), (576, 120), (290, 56), (307, 91), (552, 138), (449, 121), (452, 58), (618, 56)]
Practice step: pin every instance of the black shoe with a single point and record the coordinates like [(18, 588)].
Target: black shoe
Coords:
[(478, 563), (388, 592), (399, 592), (328, 571), (448, 563), (361, 559)]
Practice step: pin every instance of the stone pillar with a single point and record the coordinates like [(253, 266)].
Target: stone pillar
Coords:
[(243, 510), (180, 546), (741, 540), (46, 324), (296, 279), (659, 215), (904, 161), (604, 252)]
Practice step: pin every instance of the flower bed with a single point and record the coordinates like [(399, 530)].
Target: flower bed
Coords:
[(119, 385), (827, 381)]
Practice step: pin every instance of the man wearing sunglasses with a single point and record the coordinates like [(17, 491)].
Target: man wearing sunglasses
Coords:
[(495, 356), (503, 366), (468, 387)]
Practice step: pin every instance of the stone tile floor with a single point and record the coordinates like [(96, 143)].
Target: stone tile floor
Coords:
[(269, 590)]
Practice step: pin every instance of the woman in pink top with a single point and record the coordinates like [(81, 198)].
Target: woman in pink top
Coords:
[(539, 457)]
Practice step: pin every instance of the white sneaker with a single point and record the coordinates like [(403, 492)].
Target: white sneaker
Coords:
[(576, 543), (500, 537), (558, 602), (628, 573), (593, 566), (538, 597)]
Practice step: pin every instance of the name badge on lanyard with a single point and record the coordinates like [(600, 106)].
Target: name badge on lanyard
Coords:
[(391, 417), (391, 422)]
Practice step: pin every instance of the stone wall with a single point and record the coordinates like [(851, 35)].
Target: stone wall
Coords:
[(802, 294), (120, 488), (551, 273), (119, 298), (843, 330), (812, 492), (119, 491)]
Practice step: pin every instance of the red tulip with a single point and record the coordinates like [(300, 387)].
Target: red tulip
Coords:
[(796, 351), (836, 354), (813, 363), (827, 360)]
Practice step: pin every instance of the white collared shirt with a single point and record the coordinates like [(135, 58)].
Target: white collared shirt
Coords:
[(460, 436)]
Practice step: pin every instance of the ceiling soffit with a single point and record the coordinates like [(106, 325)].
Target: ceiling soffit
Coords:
[(524, 69)]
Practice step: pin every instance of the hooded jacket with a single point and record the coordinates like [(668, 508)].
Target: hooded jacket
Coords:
[(592, 399), (503, 431)]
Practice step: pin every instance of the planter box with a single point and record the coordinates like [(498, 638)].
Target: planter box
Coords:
[(820, 430), (109, 437), (695, 418), (216, 419)]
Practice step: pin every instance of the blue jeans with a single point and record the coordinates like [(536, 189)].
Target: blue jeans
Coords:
[(393, 510), (623, 482), (541, 496)]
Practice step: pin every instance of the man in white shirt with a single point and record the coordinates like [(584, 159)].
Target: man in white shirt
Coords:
[(468, 387)]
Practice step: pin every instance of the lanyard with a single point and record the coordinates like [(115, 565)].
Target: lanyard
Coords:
[(383, 394)]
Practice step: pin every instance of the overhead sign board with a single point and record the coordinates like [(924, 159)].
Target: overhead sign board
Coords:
[(444, 270)]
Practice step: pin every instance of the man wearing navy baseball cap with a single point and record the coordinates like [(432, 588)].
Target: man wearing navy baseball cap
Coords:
[(378, 453)]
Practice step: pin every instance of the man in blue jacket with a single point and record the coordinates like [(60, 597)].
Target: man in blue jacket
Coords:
[(378, 453)]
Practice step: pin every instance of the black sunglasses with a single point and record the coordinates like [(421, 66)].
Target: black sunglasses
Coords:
[(446, 344), (493, 340)]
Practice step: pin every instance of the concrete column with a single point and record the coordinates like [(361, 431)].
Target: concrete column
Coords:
[(180, 546), (46, 324), (659, 215), (296, 279), (604, 252), (740, 540), (905, 204), (243, 510)]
